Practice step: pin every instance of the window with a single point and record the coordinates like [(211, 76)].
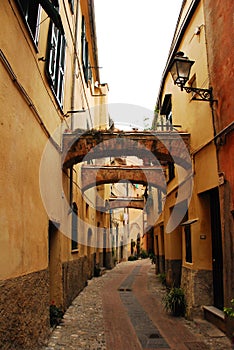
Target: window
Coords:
[(85, 51), (188, 241), (188, 244), (166, 110), (74, 238), (56, 62), (86, 210), (171, 171), (32, 13)]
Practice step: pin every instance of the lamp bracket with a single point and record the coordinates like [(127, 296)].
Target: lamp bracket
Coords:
[(202, 94)]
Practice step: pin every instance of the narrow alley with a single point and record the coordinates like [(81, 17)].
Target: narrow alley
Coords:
[(123, 309), (96, 183)]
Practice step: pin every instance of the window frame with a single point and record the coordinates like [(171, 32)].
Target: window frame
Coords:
[(26, 14), (166, 110), (56, 62), (188, 244)]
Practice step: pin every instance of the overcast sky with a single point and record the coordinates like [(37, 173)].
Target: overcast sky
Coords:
[(134, 38)]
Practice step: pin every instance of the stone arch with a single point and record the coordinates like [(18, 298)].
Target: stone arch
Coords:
[(131, 203), (94, 175), (164, 146)]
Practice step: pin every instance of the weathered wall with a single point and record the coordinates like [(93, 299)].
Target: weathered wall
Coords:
[(197, 285), (29, 113), (161, 264), (195, 117), (219, 24), (75, 276), (173, 272), (24, 317)]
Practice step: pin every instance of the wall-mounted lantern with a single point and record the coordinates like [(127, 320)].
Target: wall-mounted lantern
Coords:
[(180, 71)]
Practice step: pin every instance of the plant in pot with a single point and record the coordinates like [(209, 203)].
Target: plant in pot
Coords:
[(56, 314), (174, 302), (162, 278)]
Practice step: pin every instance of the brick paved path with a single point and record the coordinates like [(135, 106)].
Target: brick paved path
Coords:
[(122, 310)]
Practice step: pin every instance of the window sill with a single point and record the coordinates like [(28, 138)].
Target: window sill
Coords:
[(75, 251)]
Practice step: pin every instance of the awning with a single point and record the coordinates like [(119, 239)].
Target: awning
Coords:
[(52, 12), (188, 222)]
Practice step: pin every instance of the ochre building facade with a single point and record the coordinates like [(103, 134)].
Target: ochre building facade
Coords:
[(49, 86)]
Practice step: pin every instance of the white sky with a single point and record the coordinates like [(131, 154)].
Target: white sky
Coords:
[(134, 38)]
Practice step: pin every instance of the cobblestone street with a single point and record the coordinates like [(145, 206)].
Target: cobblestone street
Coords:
[(122, 310)]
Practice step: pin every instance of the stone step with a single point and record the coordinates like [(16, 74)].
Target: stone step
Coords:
[(215, 316)]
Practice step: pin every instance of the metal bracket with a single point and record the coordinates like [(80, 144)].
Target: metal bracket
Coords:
[(204, 94)]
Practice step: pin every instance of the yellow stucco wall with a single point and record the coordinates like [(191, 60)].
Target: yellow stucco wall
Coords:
[(23, 218), (195, 117), (29, 113)]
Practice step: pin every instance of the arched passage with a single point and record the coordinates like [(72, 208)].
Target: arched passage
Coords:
[(126, 202), (98, 175), (150, 146)]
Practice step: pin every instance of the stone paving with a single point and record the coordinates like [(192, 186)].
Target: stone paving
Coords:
[(117, 311), (82, 326)]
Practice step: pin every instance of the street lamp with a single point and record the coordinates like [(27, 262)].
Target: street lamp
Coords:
[(180, 70)]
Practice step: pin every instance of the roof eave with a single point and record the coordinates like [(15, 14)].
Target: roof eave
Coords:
[(176, 42)]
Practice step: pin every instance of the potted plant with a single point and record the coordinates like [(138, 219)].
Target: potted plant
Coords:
[(162, 278), (174, 301), (56, 314)]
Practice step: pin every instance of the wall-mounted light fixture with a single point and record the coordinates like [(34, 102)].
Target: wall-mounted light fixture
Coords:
[(180, 71)]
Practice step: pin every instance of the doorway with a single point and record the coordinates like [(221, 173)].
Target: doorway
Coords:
[(217, 252), (54, 264)]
